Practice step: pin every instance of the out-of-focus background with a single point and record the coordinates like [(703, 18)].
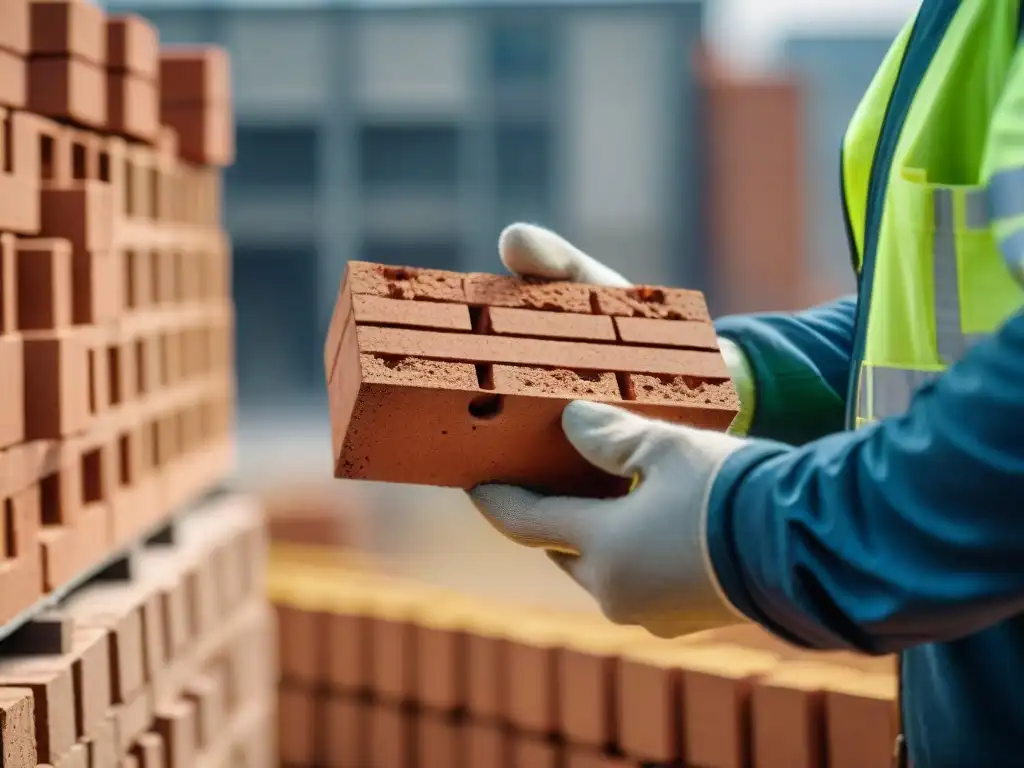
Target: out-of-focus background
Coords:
[(682, 142)]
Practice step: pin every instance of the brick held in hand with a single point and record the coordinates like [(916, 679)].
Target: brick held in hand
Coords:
[(403, 370)]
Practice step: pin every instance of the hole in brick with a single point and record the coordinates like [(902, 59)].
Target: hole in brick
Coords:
[(114, 374), (178, 277), (486, 407), (141, 380), (154, 278), (480, 319), (625, 382), (124, 474), (10, 550), (155, 457), (49, 500), (92, 381), (92, 477), (129, 189), (131, 291), (46, 151), (7, 148), (165, 356), (104, 166), (156, 201), (79, 170), (485, 376), (647, 295)]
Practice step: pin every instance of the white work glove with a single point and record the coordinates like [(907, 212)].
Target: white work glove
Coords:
[(643, 557)]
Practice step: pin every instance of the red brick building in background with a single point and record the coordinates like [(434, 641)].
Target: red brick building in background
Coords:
[(755, 214)]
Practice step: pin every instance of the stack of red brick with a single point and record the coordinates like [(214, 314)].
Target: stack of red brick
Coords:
[(169, 666), (116, 388), (376, 672)]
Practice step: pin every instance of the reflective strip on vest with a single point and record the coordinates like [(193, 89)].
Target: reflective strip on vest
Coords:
[(1006, 201), (885, 391)]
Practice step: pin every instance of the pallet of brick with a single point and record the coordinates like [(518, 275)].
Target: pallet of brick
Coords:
[(195, 99), (377, 670), (99, 682), (479, 367)]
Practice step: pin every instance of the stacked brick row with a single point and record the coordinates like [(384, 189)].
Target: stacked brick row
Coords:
[(168, 664), (116, 373), (378, 672)]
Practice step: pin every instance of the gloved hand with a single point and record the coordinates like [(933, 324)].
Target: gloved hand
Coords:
[(644, 556), (531, 251)]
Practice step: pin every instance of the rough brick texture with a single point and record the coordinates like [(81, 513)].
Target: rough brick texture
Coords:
[(479, 367)]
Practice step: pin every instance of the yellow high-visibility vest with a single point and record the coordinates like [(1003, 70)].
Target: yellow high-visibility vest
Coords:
[(946, 264)]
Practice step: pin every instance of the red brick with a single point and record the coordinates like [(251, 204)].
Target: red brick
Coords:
[(176, 724), (788, 715), (486, 675), (206, 132), (302, 636), (507, 291), (91, 676), (440, 667), (394, 659), (49, 678), (12, 379), (13, 77), (507, 321), (652, 302), (98, 289), (861, 720), (133, 46), (68, 28), (14, 26), (8, 285), (150, 751), (391, 737), (56, 374), (717, 685), (487, 744), (534, 752), (68, 89), (377, 310), (587, 705), (533, 691), (478, 349), (684, 334), (437, 741), (44, 284), (133, 108), (17, 728), (409, 283), (345, 723), (650, 709), (82, 212), (193, 75)]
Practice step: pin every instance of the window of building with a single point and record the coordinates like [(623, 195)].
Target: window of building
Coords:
[(409, 159), (274, 158), (278, 341), (523, 170), (437, 254), (522, 49)]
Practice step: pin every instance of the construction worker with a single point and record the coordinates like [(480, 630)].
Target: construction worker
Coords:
[(904, 534)]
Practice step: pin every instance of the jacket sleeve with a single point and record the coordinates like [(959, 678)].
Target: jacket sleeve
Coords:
[(905, 532), (800, 364)]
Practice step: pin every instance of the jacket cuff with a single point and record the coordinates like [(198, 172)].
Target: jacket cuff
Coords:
[(721, 535), (743, 379)]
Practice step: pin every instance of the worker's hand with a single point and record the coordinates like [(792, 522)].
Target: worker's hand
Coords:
[(531, 251), (643, 557)]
